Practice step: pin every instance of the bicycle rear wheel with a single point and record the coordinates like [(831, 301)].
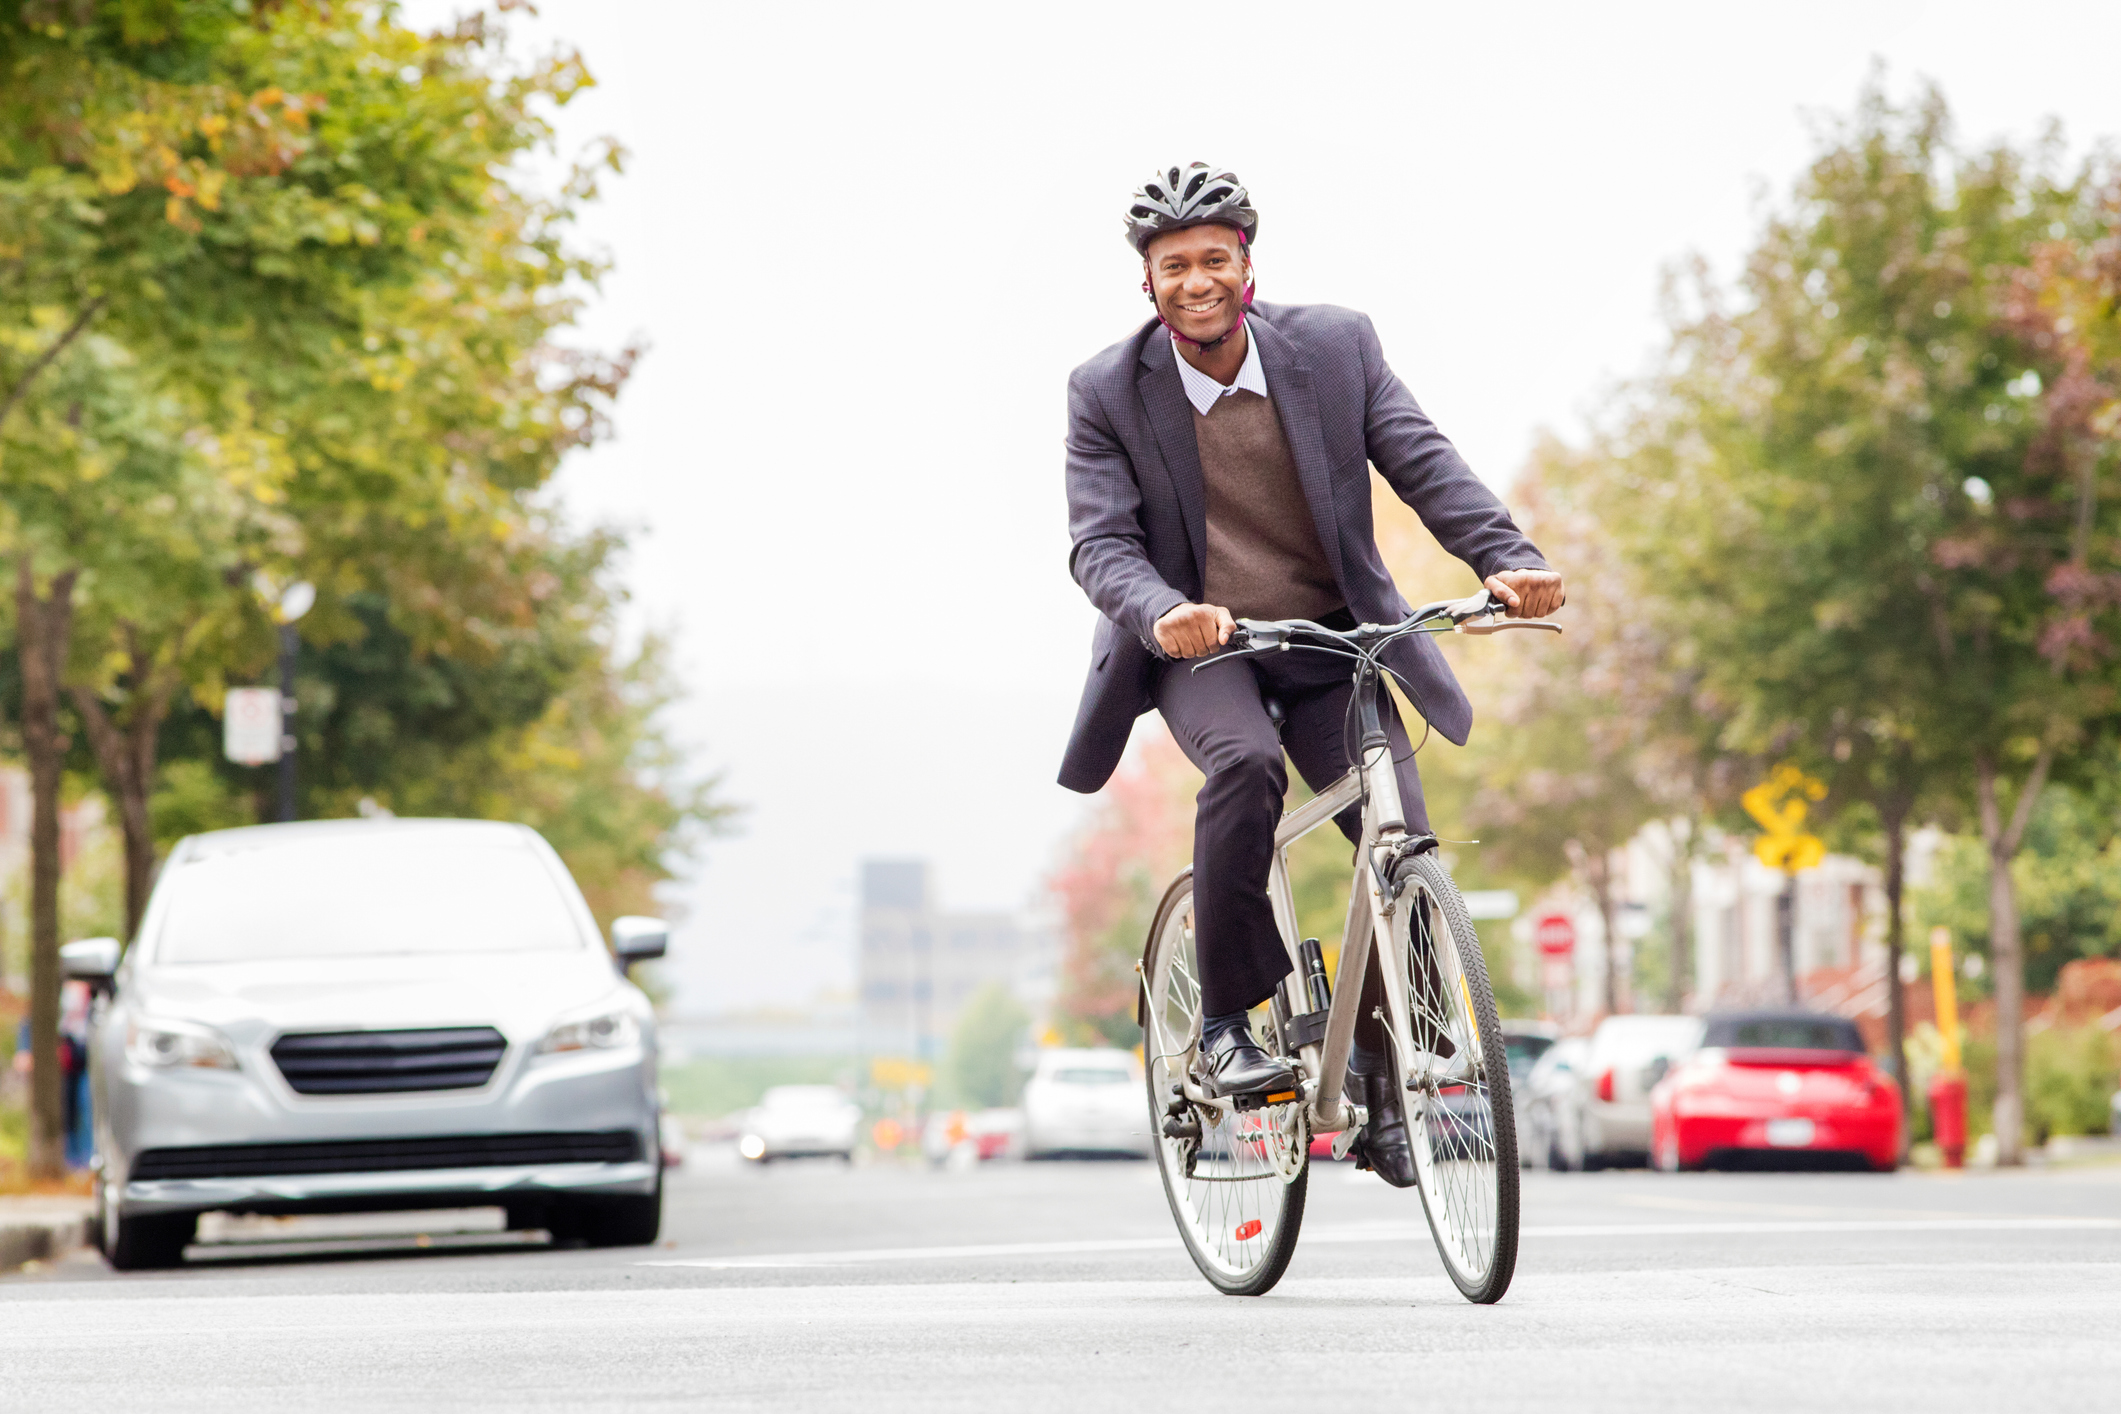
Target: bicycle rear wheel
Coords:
[(1458, 1084), (1237, 1187)]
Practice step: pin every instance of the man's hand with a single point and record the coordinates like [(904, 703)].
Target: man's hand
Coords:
[(1531, 594), (1193, 629)]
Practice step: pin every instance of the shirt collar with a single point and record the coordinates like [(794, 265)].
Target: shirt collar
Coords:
[(1203, 391)]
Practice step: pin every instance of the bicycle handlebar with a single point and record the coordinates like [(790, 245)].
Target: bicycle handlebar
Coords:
[(1474, 614)]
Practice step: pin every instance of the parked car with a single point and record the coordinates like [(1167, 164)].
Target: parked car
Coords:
[(1602, 1115), (1523, 1043), (1776, 1083), (1085, 1102), (1549, 1089), (977, 1135), (371, 1014), (800, 1122)]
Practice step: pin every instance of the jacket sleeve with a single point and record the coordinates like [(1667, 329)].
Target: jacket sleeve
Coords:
[(1426, 471), (1110, 557)]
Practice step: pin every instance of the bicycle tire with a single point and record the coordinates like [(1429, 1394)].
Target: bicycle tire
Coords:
[(1461, 1120), (1243, 1186)]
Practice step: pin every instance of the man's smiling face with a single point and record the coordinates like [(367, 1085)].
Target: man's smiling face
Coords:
[(1198, 276)]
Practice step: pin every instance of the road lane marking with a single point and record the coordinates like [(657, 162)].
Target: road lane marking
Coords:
[(1383, 1232)]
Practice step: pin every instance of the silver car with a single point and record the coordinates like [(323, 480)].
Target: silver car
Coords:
[(1595, 1104), (368, 1015)]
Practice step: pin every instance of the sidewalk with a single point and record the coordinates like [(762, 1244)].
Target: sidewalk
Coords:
[(40, 1229)]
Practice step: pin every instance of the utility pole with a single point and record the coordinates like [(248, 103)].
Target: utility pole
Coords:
[(288, 606)]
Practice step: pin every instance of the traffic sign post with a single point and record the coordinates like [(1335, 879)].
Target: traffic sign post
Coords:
[(1555, 936), (1780, 804)]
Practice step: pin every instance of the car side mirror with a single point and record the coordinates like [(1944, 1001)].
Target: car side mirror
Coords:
[(636, 939), (91, 960)]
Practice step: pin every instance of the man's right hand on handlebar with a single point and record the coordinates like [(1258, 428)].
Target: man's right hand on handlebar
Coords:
[(1191, 630)]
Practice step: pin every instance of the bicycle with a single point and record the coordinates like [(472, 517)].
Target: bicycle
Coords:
[(1236, 1170)]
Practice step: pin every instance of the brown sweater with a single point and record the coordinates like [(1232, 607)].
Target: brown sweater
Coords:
[(1264, 558)]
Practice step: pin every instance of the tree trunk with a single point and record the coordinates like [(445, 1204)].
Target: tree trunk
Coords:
[(1676, 988), (2006, 951), (1598, 864), (42, 627), (1895, 821), (125, 757)]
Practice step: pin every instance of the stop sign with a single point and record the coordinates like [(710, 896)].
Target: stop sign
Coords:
[(1556, 935)]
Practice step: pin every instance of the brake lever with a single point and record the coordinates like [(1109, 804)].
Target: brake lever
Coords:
[(1481, 627)]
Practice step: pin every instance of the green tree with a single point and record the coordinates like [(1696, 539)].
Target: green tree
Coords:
[(1885, 532), (981, 1068)]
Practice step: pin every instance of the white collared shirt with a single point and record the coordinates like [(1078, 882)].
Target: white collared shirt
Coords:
[(1202, 391)]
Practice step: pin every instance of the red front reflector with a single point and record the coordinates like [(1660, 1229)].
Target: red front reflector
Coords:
[(1247, 1231)]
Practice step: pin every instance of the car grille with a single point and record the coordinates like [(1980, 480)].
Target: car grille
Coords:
[(383, 1062), (446, 1151)]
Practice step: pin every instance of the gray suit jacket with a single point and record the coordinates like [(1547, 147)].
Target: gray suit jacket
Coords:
[(1137, 509)]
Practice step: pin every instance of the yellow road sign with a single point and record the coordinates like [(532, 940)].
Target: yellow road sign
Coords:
[(1780, 804)]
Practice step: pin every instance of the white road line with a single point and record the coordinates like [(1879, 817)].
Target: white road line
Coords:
[(1396, 1232)]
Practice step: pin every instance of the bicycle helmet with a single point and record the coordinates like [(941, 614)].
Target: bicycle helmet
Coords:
[(1193, 195)]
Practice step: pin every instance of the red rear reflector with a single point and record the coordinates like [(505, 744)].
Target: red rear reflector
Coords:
[(1247, 1231), (1284, 1095)]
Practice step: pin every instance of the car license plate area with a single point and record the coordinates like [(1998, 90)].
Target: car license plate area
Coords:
[(1790, 1133)]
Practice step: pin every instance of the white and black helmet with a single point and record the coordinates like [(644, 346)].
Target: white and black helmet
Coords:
[(1193, 195)]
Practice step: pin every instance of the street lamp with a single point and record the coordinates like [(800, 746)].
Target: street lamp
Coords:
[(290, 605)]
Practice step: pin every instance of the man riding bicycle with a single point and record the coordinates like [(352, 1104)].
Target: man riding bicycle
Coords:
[(1218, 469)]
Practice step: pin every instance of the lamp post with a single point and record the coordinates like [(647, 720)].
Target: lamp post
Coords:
[(287, 608)]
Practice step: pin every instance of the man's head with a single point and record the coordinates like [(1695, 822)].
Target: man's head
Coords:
[(1194, 226), (1199, 278)]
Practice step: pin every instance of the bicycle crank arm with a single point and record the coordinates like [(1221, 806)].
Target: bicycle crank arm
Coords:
[(1345, 1140)]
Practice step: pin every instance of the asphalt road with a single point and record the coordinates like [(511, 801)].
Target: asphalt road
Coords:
[(1060, 1286)]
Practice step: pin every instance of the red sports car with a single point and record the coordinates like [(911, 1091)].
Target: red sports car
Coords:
[(1780, 1083)]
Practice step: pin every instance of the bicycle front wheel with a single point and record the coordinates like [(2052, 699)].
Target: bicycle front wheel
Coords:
[(1236, 1182), (1457, 1079)]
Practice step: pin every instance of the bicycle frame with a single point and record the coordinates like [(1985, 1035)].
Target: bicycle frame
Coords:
[(1384, 833), (1324, 1064)]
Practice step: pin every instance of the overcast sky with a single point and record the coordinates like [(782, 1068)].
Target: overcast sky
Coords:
[(866, 244)]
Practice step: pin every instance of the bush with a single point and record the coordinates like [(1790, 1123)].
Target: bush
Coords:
[(2069, 1076)]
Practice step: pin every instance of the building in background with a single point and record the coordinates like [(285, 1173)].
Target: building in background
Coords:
[(918, 965)]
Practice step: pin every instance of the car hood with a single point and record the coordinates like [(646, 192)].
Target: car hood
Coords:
[(520, 993)]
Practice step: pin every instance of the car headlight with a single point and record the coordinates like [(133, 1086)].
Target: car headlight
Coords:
[(168, 1045), (606, 1032)]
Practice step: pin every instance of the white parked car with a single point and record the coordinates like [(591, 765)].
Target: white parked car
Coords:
[(371, 1014), (1601, 1115), (1086, 1102), (800, 1121)]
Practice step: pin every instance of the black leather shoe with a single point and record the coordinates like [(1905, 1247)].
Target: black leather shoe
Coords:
[(1234, 1064), (1384, 1145)]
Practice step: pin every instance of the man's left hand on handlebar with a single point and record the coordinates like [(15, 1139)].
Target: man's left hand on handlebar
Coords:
[(1530, 594)]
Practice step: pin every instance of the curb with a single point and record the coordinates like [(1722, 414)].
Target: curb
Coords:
[(40, 1239)]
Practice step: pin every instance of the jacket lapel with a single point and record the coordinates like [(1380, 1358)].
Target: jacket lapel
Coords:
[(1171, 418), (1289, 382)]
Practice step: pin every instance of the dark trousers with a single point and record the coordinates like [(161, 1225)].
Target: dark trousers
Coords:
[(1220, 719)]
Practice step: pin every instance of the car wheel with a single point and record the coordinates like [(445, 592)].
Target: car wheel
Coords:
[(150, 1242), (610, 1219)]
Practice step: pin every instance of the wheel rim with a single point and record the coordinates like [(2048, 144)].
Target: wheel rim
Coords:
[(1230, 1207), (1450, 1105)]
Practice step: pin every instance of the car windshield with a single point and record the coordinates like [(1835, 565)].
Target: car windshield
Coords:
[(349, 896), (1091, 1075), (1784, 1033)]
